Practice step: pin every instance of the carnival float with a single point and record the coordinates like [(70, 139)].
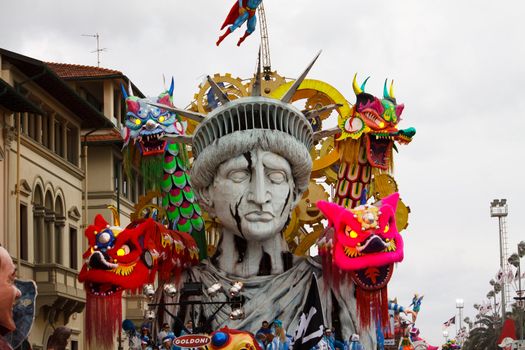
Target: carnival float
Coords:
[(242, 186)]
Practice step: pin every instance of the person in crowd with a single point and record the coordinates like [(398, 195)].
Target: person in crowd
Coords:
[(281, 340), (265, 328), (327, 341), (8, 294), (145, 331), (167, 343), (355, 344), (261, 339), (188, 328), (59, 339), (145, 343), (165, 330)]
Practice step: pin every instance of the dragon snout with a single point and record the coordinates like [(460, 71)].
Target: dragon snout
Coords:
[(99, 260), (150, 125)]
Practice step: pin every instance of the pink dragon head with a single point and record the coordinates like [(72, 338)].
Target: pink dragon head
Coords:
[(365, 236)]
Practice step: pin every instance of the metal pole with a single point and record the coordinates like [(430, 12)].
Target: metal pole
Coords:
[(18, 245), (460, 318), (520, 301), (502, 266), (98, 50)]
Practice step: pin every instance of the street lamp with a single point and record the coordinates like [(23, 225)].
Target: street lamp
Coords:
[(445, 335), (499, 209), (459, 305)]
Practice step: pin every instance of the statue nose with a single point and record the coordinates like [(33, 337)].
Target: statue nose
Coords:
[(150, 124), (259, 191)]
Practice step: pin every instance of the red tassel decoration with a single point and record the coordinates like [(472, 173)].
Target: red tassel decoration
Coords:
[(103, 320), (372, 305)]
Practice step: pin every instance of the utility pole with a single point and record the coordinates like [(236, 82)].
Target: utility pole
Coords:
[(98, 50)]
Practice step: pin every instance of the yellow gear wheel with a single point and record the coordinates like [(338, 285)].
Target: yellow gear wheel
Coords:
[(318, 94), (145, 206), (308, 240), (402, 212), (324, 160), (382, 185), (268, 86), (291, 230), (213, 233), (308, 211), (233, 87)]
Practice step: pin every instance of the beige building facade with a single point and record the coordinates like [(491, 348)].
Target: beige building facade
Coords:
[(63, 168)]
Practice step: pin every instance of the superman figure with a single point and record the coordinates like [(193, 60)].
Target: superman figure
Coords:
[(242, 11)]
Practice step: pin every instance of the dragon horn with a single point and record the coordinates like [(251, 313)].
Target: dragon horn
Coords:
[(385, 90), (256, 88), (172, 87), (217, 91), (116, 215), (357, 89), (364, 84), (124, 92), (289, 94), (391, 93)]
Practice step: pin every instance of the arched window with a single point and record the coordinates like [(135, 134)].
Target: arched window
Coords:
[(49, 228), (60, 221), (38, 224)]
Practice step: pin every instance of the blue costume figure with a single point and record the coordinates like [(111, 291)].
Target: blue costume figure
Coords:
[(242, 11), (281, 340), (355, 344), (416, 302)]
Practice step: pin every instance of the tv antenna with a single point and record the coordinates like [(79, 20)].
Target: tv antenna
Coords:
[(98, 50)]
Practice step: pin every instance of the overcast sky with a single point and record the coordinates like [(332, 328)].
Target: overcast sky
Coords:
[(458, 67)]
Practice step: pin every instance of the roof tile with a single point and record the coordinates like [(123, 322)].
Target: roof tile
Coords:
[(71, 71)]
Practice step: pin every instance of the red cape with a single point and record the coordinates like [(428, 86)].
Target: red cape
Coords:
[(234, 13)]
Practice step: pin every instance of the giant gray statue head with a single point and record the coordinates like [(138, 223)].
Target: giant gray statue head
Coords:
[(252, 164)]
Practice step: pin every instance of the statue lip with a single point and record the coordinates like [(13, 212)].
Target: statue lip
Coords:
[(258, 215)]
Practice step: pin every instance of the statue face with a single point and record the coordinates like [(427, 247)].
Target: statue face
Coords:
[(252, 194), (8, 291)]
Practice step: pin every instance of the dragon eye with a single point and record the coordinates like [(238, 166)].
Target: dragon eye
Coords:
[(161, 118), (137, 121), (124, 250), (386, 229), (350, 233)]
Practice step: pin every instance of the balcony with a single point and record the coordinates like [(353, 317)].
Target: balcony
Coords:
[(58, 291)]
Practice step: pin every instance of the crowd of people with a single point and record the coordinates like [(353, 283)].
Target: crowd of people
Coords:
[(270, 336), (165, 337)]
